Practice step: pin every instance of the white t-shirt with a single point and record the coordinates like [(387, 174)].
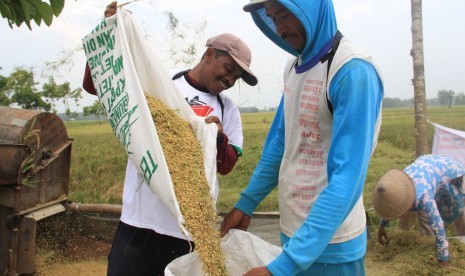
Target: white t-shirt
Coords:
[(142, 208)]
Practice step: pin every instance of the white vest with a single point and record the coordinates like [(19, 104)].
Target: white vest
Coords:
[(308, 122)]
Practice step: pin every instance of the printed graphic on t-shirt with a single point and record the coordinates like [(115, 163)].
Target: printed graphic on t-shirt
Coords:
[(311, 155), (200, 108)]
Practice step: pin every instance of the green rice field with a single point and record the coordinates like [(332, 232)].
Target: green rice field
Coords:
[(98, 161)]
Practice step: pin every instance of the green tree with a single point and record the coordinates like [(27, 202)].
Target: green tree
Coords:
[(21, 87), (17, 12), (95, 109), (251, 109), (397, 102), (4, 99), (53, 92), (460, 98), (71, 115), (446, 97)]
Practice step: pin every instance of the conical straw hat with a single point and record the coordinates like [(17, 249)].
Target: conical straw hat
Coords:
[(394, 194)]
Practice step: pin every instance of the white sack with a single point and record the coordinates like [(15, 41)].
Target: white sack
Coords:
[(243, 251), (450, 142), (123, 66)]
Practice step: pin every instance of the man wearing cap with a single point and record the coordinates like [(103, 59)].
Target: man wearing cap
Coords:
[(319, 145), (433, 187), (148, 236)]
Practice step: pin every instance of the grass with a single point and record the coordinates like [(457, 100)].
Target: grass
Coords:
[(98, 167), (98, 163), (411, 253), (98, 160)]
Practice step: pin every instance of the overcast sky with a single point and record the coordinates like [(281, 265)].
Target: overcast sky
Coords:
[(380, 27)]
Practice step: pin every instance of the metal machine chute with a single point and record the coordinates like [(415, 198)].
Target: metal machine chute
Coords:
[(35, 157)]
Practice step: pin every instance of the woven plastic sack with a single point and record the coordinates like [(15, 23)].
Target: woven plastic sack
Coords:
[(243, 251), (123, 67)]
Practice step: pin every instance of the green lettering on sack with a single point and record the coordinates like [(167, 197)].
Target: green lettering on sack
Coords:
[(124, 134), (117, 65), (148, 166), (106, 39), (105, 85), (118, 112), (102, 25), (90, 46), (115, 92), (106, 64), (96, 60)]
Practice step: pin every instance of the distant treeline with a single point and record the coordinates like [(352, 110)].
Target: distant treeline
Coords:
[(398, 103), (445, 98)]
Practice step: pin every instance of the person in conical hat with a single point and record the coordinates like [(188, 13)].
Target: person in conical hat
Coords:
[(394, 194), (433, 187)]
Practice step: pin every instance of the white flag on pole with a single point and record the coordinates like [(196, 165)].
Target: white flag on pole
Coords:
[(450, 142)]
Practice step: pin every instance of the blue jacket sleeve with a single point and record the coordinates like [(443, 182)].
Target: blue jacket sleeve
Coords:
[(265, 176), (428, 205), (356, 93)]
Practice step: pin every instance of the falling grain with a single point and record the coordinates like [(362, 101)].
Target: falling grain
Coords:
[(184, 157)]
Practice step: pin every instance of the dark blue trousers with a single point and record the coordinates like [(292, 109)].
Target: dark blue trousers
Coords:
[(138, 251)]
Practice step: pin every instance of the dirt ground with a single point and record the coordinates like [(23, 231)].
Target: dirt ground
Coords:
[(85, 250)]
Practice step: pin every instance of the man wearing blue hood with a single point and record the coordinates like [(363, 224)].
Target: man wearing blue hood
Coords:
[(319, 145)]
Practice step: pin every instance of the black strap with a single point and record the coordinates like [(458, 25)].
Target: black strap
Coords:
[(218, 97), (220, 101), (180, 74), (329, 57)]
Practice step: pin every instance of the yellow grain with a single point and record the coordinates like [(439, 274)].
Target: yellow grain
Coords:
[(184, 157)]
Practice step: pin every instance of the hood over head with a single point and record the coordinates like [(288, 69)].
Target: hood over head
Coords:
[(317, 17)]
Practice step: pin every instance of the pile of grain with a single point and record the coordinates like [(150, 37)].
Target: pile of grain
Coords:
[(183, 154)]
